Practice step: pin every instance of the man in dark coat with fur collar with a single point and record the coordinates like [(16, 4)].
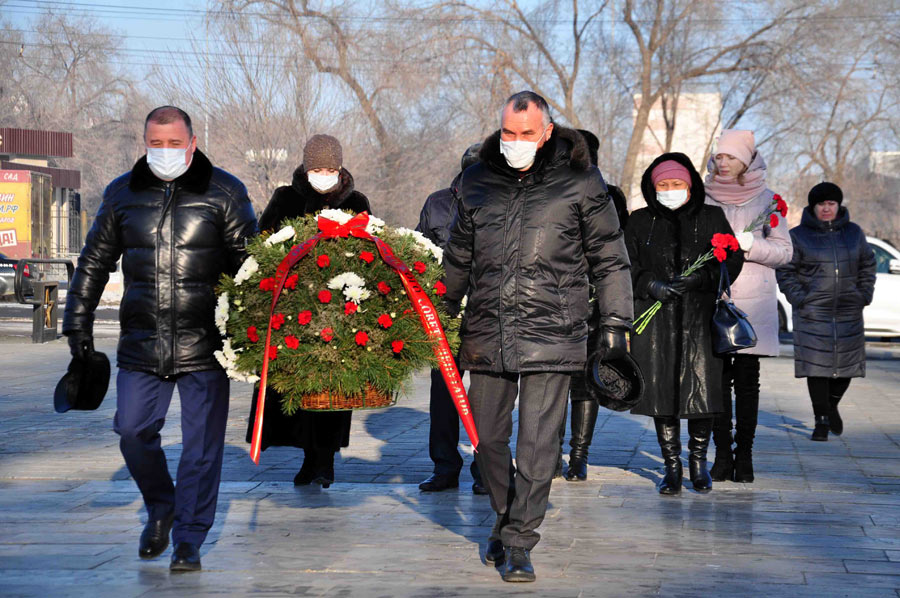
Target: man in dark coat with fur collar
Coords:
[(178, 223), (535, 231)]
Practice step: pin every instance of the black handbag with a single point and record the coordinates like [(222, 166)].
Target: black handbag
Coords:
[(731, 329)]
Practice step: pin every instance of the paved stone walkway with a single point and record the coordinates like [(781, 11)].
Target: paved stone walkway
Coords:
[(822, 519)]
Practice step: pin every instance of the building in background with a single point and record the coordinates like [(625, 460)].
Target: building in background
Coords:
[(692, 124), (40, 206)]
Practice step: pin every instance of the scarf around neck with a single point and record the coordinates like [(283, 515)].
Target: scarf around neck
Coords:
[(727, 190)]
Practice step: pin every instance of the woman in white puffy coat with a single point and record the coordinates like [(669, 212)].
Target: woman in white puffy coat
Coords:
[(737, 183)]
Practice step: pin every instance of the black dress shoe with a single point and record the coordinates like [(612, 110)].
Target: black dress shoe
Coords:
[(479, 489), (518, 565), (155, 537), (494, 553), (185, 558), (438, 482)]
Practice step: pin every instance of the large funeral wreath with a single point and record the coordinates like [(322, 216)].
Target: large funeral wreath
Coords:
[(343, 323)]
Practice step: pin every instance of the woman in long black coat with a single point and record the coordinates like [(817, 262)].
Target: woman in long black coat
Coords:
[(683, 378), (829, 281), (320, 182)]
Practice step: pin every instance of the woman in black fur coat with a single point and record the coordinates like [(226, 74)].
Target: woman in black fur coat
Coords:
[(319, 183)]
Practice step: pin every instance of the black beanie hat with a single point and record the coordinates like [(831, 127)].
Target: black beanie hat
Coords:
[(825, 192)]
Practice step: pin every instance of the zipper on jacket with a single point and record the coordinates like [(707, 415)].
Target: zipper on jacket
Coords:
[(834, 301), (168, 195)]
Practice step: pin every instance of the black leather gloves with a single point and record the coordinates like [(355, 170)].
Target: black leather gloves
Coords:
[(682, 284), (453, 307), (611, 343), (662, 291), (81, 345)]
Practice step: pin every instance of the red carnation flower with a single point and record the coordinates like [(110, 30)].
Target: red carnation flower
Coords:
[(277, 321), (292, 341), (397, 346), (323, 261), (440, 288), (252, 334), (384, 288), (385, 321), (291, 282), (325, 296), (733, 243), (267, 284), (350, 308), (327, 334), (773, 220), (304, 317), (720, 254), (361, 338), (273, 353), (419, 267), (366, 256), (780, 205)]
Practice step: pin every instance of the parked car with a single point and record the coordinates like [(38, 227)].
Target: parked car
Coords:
[(8, 267), (882, 317)]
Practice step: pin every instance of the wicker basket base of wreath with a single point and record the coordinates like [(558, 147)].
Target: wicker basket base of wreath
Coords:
[(335, 401)]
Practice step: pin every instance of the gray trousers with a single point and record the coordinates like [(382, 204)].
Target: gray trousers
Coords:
[(520, 506)]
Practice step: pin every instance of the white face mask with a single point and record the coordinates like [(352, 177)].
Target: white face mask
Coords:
[(167, 163), (519, 154), (323, 182), (672, 199)]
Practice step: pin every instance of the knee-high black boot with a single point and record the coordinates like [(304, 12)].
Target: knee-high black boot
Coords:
[(723, 468), (746, 413), (584, 418), (699, 432), (668, 434)]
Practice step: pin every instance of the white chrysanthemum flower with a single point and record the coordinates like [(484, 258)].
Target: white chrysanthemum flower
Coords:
[(227, 358), (356, 293), (221, 312), (339, 216), (346, 279), (424, 242), (247, 269), (375, 225), (283, 235)]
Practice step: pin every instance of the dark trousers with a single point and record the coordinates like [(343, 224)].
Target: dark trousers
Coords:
[(520, 507), (141, 406), (740, 372), (443, 431), (825, 392)]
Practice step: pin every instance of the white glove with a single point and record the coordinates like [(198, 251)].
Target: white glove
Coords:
[(745, 240)]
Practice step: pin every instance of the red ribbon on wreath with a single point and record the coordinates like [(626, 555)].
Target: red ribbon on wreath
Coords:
[(356, 227)]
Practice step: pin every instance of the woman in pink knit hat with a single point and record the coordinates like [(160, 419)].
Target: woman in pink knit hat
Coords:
[(737, 183)]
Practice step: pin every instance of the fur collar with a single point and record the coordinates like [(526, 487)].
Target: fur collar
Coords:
[(334, 199), (195, 180), (565, 146)]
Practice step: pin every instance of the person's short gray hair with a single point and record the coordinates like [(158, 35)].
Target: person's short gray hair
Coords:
[(520, 102)]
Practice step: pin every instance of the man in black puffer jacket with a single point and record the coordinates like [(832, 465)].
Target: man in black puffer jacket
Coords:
[(178, 223), (534, 230)]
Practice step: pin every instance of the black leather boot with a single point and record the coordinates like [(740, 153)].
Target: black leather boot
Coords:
[(723, 468), (699, 431), (324, 474), (560, 464), (746, 414), (584, 418), (743, 453), (834, 417), (820, 433), (308, 470), (668, 434)]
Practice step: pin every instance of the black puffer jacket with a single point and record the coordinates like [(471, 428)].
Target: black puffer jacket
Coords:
[(829, 281), (300, 199), (682, 376), (524, 247), (437, 213), (175, 240)]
